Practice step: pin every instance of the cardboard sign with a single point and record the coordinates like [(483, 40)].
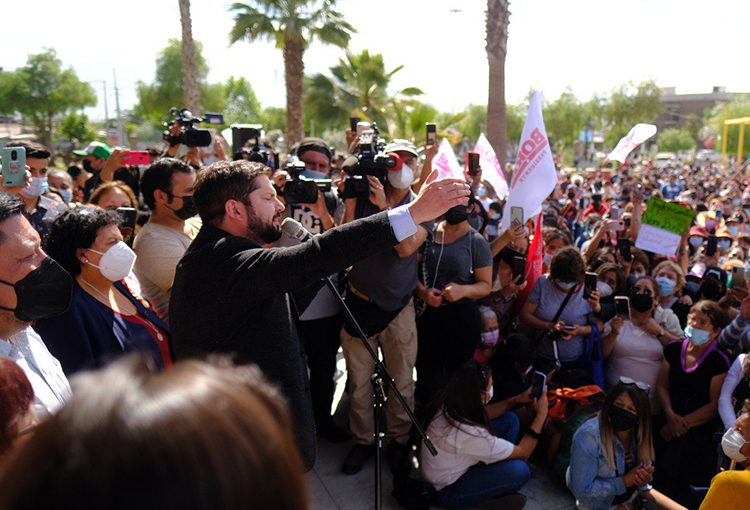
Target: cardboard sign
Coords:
[(658, 240), (667, 216)]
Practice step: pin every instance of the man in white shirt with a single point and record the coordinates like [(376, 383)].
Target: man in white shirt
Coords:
[(32, 286), (167, 187)]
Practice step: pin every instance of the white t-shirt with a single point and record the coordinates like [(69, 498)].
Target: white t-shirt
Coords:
[(637, 355), (458, 450)]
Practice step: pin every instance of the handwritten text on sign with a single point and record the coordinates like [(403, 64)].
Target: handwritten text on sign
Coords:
[(667, 216)]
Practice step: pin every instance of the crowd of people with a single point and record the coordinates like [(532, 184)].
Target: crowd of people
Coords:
[(637, 408)]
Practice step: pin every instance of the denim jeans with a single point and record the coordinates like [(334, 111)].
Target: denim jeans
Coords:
[(484, 481)]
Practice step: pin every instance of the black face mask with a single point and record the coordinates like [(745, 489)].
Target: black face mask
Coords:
[(641, 302), (44, 292), (710, 291), (456, 215), (571, 195), (188, 209), (87, 166), (622, 419)]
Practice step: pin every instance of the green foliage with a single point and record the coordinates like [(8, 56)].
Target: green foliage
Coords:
[(675, 140), (739, 107), (693, 125), (7, 85), (42, 91), (564, 118), (277, 20), (155, 99), (77, 126), (273, 118), (243, 105), (628, 105), (358, 86)]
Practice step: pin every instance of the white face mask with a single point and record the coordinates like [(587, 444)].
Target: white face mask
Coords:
[(401, 178), (116, 263), (731, 444), (488, 395), (604, 289)]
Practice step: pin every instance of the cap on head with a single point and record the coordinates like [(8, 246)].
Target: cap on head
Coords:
[(399, 145), (313, 144), (96, 149)]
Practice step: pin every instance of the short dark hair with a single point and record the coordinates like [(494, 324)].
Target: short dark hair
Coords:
[(159, 176), (33, 149), (10, 205), (567, 265), (201, 435), (74, 171), (713, 311), (223, 181), (76, 229)]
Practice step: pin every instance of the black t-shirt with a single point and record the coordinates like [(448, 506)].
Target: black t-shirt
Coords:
[(690, 388)]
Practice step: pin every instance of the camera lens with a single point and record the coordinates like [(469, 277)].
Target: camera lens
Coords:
[(14, 155)]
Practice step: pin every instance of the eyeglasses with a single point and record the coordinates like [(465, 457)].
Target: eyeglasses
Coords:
[(632, 382)]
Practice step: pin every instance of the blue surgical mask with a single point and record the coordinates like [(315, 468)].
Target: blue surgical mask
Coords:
[(66, 194), (666, 285), (692, 287), (695, 241), (566, 286), (314, 174), (734, 229), (696, 336), (37, 186), (724, 244)]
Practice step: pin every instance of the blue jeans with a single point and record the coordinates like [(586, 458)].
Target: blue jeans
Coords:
[(484, 481)]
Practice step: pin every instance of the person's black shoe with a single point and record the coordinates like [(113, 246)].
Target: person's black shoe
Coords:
[(356, 458), (396, 454), (333, 433), (512, 501)]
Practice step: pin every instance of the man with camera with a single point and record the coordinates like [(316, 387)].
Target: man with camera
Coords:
[(320, 321), (380, 295), (230, 295)]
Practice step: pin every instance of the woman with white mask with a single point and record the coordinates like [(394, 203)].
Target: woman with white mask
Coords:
[(104, 320), (730, 490)]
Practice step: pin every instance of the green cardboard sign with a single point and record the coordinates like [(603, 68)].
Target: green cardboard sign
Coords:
[(668, 216)]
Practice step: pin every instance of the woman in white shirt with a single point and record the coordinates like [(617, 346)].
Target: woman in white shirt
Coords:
[(735, 390), (634, 348), (478, 458)]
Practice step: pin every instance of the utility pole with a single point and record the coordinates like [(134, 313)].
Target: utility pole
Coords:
[(120, 129)]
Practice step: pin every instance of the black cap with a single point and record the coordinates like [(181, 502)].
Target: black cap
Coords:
[(313, 144)]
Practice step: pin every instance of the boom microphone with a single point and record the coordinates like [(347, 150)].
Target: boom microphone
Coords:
[(294, 228)]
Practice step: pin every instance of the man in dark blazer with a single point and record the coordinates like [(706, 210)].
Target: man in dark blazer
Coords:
[(230, 295)]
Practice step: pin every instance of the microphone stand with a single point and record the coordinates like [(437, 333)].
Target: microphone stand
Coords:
[(380, 379)]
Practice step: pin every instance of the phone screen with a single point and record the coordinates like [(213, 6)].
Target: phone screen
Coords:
[(590, 284), (624, 246), (431, 133), (519, 268), (516, 216), (711, 246), (473, 163), (538, 382), (738, 277), (622, 307), (127, 229)]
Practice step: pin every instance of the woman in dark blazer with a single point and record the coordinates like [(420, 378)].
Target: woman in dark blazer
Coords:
[(104, 320)]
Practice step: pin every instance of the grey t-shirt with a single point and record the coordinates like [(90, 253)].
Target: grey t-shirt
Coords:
[(456, 262), (385, 277)]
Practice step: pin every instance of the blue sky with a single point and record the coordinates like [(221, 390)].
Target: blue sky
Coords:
[(589, 45)]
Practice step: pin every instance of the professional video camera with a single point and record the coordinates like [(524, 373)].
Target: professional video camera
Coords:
[(254, 149), (300, 189), (371, 160), (191, 136)]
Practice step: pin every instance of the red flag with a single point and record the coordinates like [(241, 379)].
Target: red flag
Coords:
[(533, 263)]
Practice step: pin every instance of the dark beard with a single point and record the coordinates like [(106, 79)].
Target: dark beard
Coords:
[(266, 233)]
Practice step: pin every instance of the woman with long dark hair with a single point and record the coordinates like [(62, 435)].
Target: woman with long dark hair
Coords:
[(612, 454), (478, 457)]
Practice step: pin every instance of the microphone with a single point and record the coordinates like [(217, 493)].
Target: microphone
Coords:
[(294, 228)]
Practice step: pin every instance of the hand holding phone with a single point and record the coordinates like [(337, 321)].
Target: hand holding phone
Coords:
[(14, 167), (431, 133), (738, 277), (518, 268), (590, 284), (623, 245), (516, 216), (472, 159), (622, 307), (127, 228), (538, 383), (135, 158)]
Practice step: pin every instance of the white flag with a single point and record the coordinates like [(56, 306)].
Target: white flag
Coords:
[(491, 170), (446, 163), (639, 134), (535, 176)]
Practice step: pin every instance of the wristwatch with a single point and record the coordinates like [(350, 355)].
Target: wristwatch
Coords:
[(661, 334)]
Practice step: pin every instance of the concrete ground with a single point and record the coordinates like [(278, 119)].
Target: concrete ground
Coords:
[(332, 490)]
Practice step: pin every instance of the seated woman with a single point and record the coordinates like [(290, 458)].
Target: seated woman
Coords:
[(459, 272), (612, 454), (203, 436), (671, 281), (502, 299), (546, 299), (635, 348), (689, 385), (735, 390), (478, 458), (730, 490), (104, 319)]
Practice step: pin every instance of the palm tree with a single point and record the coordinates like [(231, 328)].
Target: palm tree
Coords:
[(358, 86), (293, 25), (189, 68), (498, 18)]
